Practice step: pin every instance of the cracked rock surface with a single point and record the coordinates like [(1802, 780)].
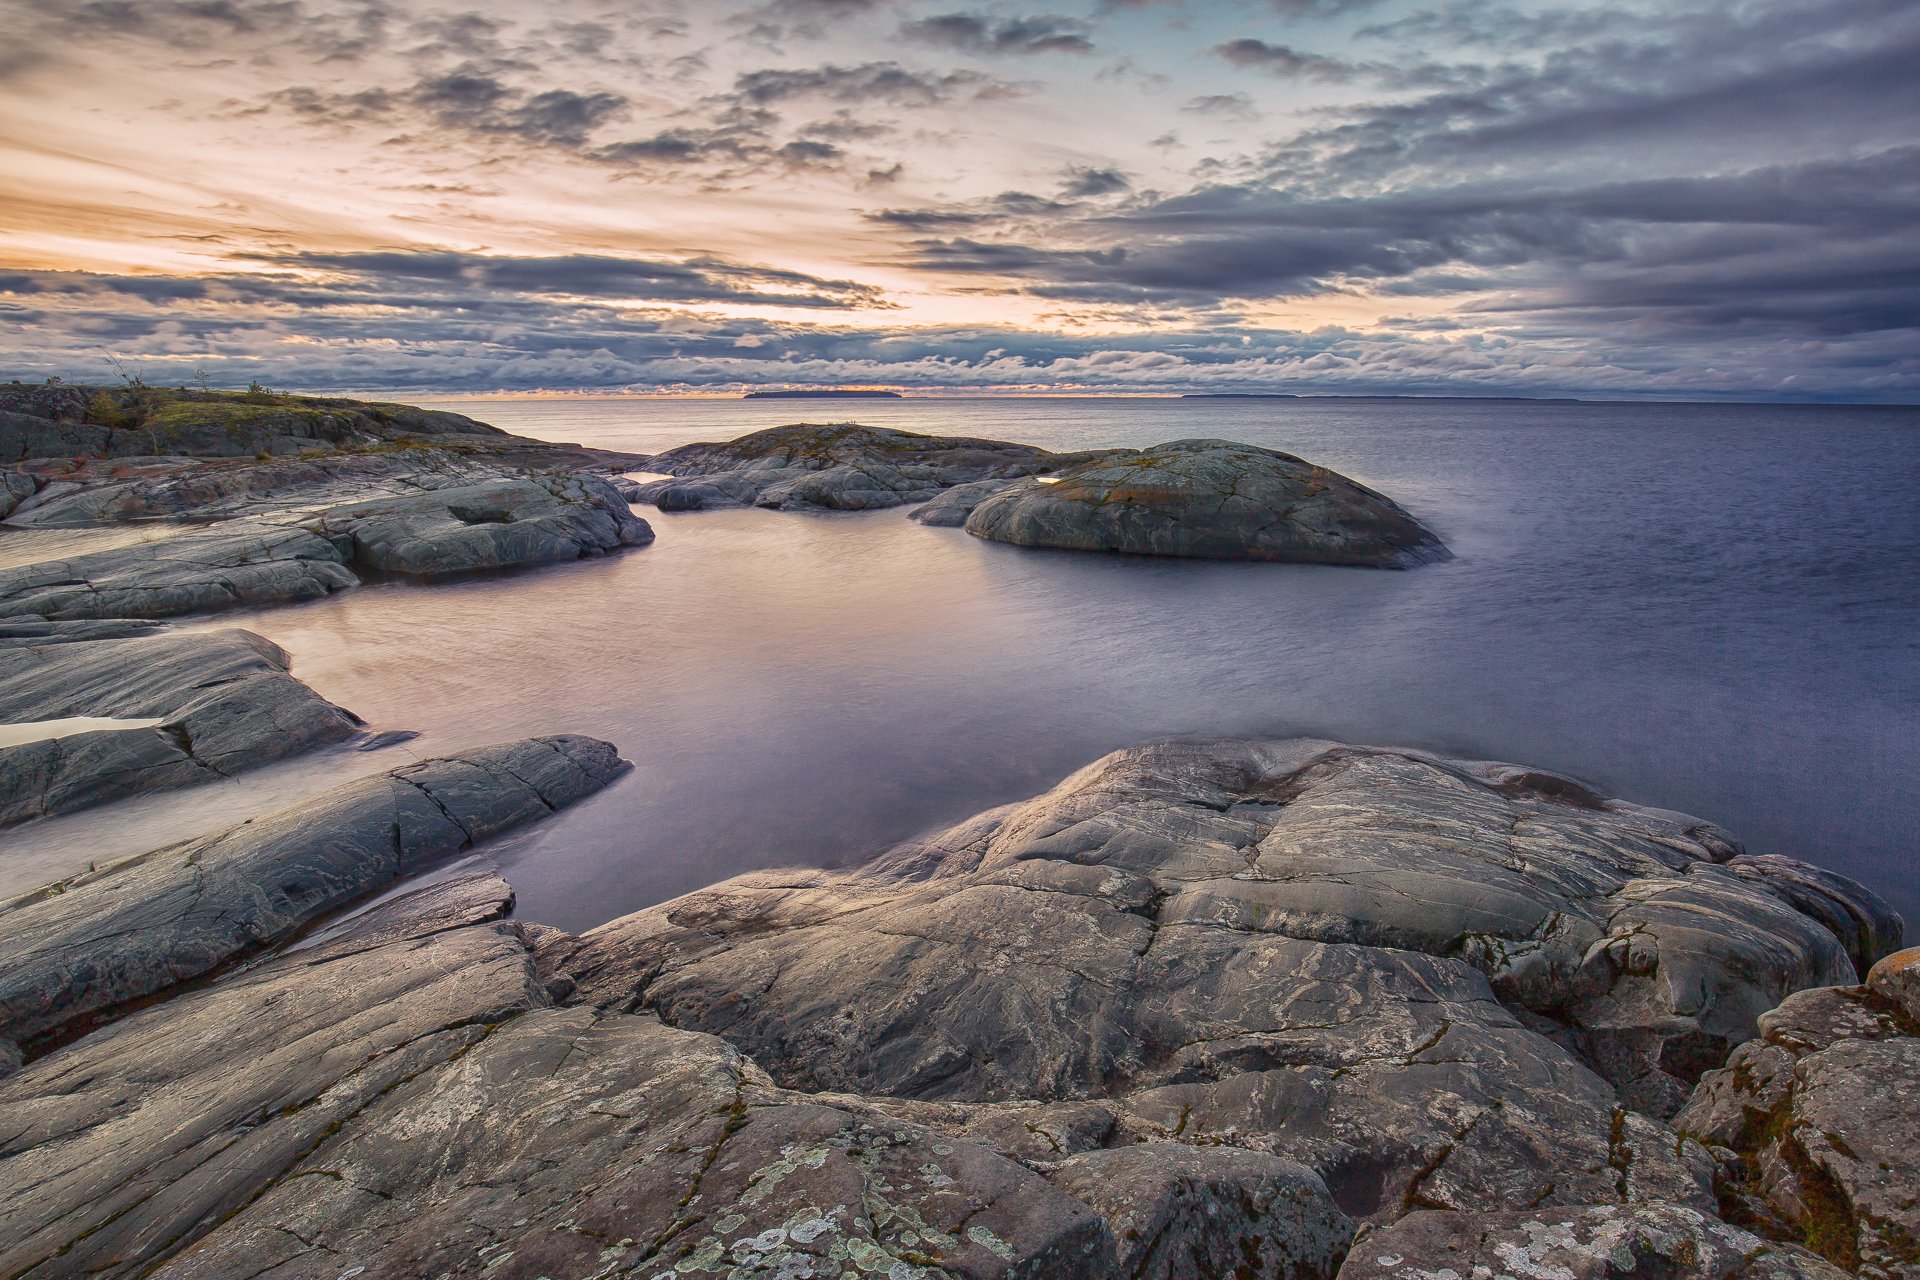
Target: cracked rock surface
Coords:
[(1208, 499), (1822, 1114), (835, 467), (88, 947), (1438, 984), (225, 700)]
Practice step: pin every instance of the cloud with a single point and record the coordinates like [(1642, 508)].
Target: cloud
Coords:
[(869, 82), (1280, 60), (1084, 183), (979, 33), (1223, 106)]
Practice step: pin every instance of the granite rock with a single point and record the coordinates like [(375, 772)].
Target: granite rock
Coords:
[(1437, 983), (224, 702), (1208, 499), (88, 947), (834, 467), (1821, 1114), (1603, 1242)]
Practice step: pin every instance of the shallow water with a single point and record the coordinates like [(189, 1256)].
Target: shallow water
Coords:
[(1707, 608)]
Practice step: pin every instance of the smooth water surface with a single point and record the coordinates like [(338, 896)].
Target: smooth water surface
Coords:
[(1707, 608)]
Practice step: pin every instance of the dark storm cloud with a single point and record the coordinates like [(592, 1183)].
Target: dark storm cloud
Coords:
[(982, 33)]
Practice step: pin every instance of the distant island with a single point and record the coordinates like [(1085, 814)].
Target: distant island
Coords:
[(1239, 395), (826, 393)]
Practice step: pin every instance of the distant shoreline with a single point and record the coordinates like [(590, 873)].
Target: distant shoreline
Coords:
[(822, 395)]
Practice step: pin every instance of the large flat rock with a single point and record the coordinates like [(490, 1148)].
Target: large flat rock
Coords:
[(94, 945), (222, 702), (1437, 983), (1207, 499), (500, 523)]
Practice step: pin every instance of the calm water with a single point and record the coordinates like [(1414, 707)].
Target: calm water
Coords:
[(1713, 609)]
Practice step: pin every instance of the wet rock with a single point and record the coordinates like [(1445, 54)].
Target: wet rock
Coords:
[(1822, 1111), (1208, 499), (1604, 1242), (1384, 964), (88, 947), (225, 702), (1196, 1213), (835, 467), (500, 524)]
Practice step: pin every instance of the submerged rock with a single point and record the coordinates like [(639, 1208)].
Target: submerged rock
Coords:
[(1822, 1115), (91, 945), (1208, 499), (224, 702), (836, 467), (1437, 983)]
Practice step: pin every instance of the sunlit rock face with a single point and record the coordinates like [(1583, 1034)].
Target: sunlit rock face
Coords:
[(1208, 499), (1822, 1110), (834, 467), (1439, 984)]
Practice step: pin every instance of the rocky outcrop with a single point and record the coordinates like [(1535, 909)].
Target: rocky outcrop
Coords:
[(1820, 1119), (401, 1099), (502, 523), (1208, 499), (94, 944), (221, 702), (1439, 984), (836, 467), (63, 421), (1604, 1242), (1167, 1020)]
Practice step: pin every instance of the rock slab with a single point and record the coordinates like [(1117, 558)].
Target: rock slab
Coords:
[(93, 945)]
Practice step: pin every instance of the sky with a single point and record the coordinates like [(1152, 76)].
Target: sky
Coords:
[(1658, 200)]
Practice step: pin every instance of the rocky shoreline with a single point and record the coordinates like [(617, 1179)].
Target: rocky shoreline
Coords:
[(1288, 1008)]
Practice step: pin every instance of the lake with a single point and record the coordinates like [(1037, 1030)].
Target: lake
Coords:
[(1712, 608)]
